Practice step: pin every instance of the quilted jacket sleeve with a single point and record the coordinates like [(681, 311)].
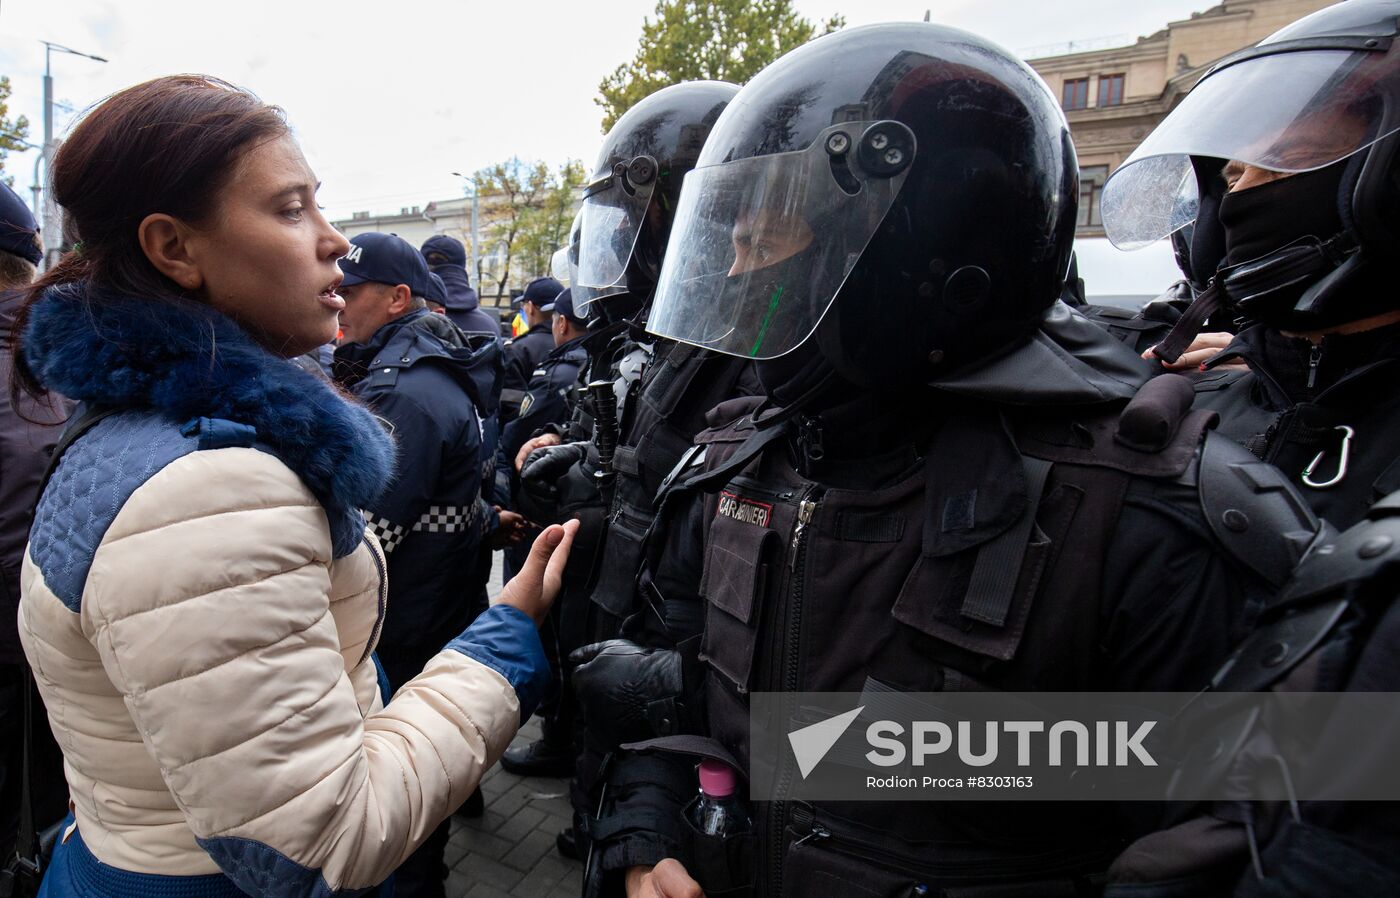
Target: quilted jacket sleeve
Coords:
[(208, 603)]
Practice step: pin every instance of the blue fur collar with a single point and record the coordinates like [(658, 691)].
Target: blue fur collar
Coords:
[(187, 360)]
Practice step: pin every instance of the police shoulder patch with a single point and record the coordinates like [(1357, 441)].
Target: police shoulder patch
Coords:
[(742, 508)]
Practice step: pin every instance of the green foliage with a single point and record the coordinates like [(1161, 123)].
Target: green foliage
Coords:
[(718, 40), (13, 133), (545, 228), (527, 210)]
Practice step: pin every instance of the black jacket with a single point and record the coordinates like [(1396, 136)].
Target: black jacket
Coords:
[(416, 373), (1124, 585), (523, 356), (24, 454), (1288, 407)]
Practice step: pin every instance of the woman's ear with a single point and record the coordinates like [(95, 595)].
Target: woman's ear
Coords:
[(165, 241)]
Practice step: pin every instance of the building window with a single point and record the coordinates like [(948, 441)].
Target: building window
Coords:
[(1075, 94), (1111, 90), (1090, 192)]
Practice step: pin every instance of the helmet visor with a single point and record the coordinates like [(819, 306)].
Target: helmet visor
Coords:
[(761, 246), (1287, 112), (614, 209)]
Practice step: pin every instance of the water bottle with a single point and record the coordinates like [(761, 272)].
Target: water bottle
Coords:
[(719, 812)]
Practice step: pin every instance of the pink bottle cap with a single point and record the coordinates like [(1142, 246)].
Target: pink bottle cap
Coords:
[(717, 779)]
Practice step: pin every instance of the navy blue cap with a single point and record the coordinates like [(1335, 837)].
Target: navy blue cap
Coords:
[(437, 290), (450, 247), (385, 259), (564, 305), (17, 227), (541, 292)]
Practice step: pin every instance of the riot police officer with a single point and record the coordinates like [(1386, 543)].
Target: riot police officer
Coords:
[(647, 397), (1288, 156), (963, 502)]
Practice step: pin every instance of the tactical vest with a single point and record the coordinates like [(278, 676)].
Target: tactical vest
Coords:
[(659, 415), (1314, 636), (978, 569)]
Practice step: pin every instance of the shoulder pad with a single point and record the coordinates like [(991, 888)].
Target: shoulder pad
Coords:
[(1254, 512), (1316, 599), (730, 422), (631, 365), (1361, 554), (1156, 434)]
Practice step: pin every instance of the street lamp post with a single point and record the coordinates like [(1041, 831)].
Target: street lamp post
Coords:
[(476, 264), (49, 212)]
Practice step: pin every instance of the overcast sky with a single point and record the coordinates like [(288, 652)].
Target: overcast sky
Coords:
[(389, 98)]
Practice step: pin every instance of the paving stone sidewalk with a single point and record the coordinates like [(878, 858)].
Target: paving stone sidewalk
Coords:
[(509, 851)]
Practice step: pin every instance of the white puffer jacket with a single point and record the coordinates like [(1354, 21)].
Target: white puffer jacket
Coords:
[(201, 621)]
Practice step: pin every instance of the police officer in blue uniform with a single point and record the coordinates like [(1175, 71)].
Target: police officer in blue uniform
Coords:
[(415, 370), (548, 395), (447, 258), (525, 352)]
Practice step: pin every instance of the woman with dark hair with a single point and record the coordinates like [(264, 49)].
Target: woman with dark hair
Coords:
[(200, 599)]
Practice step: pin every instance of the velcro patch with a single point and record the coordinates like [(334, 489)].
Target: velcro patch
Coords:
[(740, 508)]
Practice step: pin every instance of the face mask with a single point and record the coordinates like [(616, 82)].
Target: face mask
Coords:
[(1262, 219), (770, 303)]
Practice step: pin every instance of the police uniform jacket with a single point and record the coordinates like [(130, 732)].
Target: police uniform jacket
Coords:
[(427, 520), (546, 399)]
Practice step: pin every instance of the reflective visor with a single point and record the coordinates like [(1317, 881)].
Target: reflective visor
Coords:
[(761, 246), (1288, 112), (614, 209)]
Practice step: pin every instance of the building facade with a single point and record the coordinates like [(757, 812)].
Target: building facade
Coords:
[(1114, 97), (454, 218)]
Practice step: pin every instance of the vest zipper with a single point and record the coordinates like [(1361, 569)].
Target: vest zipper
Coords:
[(1314, 358), (787, 668), (805, 509)]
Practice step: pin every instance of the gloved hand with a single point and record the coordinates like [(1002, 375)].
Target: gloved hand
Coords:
[(628, 692), (545, 465)]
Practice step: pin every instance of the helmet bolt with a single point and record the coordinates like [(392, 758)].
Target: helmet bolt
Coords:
[(838, 143), (935, 357), (894, 156), (879, 141)]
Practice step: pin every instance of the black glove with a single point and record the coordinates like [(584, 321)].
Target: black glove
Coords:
[(628, 692), (539, 479)]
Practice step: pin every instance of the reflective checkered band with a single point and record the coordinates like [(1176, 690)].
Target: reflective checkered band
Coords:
[(446, 519), (386, 531)]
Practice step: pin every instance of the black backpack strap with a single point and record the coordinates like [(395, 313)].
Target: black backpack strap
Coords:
[(84, 419), (27, 861)]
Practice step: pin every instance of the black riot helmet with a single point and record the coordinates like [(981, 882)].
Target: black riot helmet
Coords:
[(631, 198), (1318, 101), (895, 199)]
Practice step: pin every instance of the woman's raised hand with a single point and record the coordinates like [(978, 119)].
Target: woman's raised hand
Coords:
[(534, 588)]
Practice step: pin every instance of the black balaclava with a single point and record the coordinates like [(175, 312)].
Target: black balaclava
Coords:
[(1260, 220)]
